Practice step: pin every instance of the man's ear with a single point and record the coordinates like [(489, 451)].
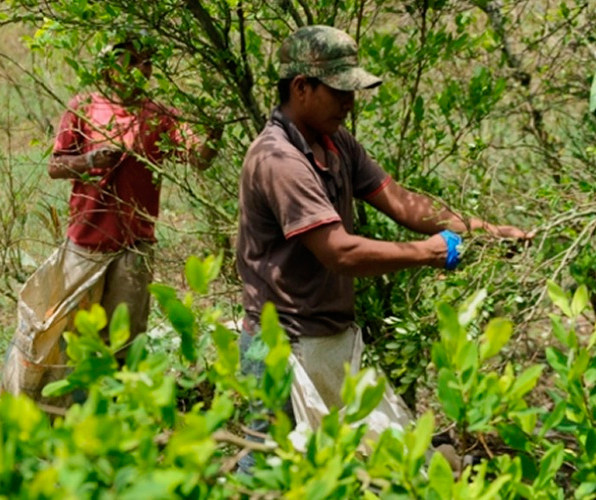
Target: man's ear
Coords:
[(298, 87)]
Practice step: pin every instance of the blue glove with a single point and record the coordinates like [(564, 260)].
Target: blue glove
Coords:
[(453, 242)]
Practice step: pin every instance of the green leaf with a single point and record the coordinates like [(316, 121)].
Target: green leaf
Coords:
[(368, 393), (119, 327), (467, 363), (550, 464), (513, 436), (452, 334), (450, 395), (440, 357), (497, 334), (196, 275), (470, 308), (590, 444), (271, 331), (585, 490), (592, 340), (440, 476), (72, 63), (580, 301), (423, 435), (137, 352), (90, 323), (199, 273), (58, 388), (227, 349), (559, 330), (183, 321), (526, 381), (554, 418), (557, 360), (276, 360), (526, 419), (495, 486), (593, 96), (162, 293), (579, 367), (559, 298)]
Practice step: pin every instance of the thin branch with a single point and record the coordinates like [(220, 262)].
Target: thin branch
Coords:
[(309, 17), (288, 6)]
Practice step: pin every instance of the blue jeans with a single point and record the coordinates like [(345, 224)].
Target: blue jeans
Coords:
[(251, 363)]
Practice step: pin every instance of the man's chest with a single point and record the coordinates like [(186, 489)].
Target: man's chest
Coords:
[(132, 131)]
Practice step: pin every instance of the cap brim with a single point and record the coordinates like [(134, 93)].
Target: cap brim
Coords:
[(352, 79)]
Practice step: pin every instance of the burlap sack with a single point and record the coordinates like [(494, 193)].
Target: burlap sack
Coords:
[(69, 280)]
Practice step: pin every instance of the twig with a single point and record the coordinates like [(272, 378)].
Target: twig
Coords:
[(53, 410), (485, 446), (253, 433), (222, 436)]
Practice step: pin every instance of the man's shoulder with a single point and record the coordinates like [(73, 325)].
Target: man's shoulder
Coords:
[(79, 100), (343, 139), (160, 109), (273, 146)]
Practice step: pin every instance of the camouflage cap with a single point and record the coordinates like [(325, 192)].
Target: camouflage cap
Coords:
[(326, 53)]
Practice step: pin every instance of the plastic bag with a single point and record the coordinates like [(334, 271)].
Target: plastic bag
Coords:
[(309, 407), (69, 280)]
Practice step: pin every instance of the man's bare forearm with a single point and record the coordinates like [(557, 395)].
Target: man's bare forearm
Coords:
[(68, 166), (354, 255)]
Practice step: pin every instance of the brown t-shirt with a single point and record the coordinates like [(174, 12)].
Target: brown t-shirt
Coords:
[(284, 192)]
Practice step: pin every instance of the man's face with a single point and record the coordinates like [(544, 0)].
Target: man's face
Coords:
[(140, 61), (325, 108), (135, 69)]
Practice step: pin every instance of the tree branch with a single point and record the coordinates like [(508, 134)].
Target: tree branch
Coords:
[(234, 72)]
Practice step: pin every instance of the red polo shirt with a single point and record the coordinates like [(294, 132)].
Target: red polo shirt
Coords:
[(119, 208)]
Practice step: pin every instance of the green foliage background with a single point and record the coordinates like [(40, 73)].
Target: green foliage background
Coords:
[(484, 105)]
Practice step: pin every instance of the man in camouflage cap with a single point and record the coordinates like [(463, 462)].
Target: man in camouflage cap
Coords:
[(296, 244), (328, 54)]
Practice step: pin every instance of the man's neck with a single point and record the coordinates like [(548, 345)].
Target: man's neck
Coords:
[(310, 135), (132, 100)]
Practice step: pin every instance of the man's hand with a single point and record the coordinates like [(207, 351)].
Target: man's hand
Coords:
[(93, 163), (208, 151), (103, 158), (215, 132), (436, 249), (510, 232)]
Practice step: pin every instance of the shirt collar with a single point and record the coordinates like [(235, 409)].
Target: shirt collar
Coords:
[(294, 135)]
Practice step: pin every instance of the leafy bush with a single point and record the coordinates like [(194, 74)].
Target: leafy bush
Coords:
[(129, 440)]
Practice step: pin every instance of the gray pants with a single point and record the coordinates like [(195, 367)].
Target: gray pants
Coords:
[(126, 281)]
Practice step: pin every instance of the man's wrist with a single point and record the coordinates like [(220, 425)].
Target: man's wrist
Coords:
[(476, 224), (89, 161)]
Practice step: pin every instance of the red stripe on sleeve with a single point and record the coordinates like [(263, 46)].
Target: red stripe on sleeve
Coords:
[(383, 185), (312, 226)]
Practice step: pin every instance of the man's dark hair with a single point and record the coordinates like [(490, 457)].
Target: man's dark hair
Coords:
[(134, 45), (283, 87)]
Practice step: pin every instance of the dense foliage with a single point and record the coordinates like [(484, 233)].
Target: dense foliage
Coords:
[(484, 105), (129, 439)]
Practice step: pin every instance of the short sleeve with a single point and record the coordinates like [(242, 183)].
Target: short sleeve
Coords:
[(69, 139), (295, 194), (368, 178)]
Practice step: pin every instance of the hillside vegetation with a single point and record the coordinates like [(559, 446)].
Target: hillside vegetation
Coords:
[(485, 105)]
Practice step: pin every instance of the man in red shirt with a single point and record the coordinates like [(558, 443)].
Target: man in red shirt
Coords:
[(106, 145)]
